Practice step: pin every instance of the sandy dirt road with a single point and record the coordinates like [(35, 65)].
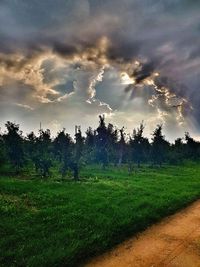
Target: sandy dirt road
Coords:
[(174, 242)]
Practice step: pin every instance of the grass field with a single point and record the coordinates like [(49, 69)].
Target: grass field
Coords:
[(62, 223)]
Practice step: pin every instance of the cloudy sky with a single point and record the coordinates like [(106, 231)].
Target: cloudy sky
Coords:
[(64, 62)]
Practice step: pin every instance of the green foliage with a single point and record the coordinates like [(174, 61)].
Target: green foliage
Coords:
[(160, 147), (3, 156), (121, 147), (106, 145), (14, 145), (40, 152), (63, 151), (89, 149), (102, 143), (54, 223), (139, 146), (192, 150), (62, 146), (79, 144)]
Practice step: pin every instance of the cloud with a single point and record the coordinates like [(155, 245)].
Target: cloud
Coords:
[(68, 56)]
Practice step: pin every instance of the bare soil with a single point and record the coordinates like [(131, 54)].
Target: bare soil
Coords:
[(174, 242)]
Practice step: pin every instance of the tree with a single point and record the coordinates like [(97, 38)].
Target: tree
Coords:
[(177, 151), (159, 148), (102, 143), (2, 151), (139, 146), (112, 138), (192, 148), (121, 146), (89, 150), (43, 153), (68, 153), (79, 143), (78, 150), (63, 146), (14, 145), (31, 144)]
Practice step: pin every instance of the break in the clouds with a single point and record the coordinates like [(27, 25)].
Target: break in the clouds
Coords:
[(64, 62)]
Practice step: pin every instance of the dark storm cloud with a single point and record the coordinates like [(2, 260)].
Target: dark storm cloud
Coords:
[(64, 49), (144, 72), (123, 49)]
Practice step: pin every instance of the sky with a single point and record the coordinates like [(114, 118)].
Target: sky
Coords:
[(64, 62)]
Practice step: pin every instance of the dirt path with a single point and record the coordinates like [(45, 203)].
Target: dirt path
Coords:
[(174, 242)]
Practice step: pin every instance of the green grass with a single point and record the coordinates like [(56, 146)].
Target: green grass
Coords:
[(61, 223)]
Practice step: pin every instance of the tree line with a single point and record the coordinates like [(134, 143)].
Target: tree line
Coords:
[(104, 145)]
